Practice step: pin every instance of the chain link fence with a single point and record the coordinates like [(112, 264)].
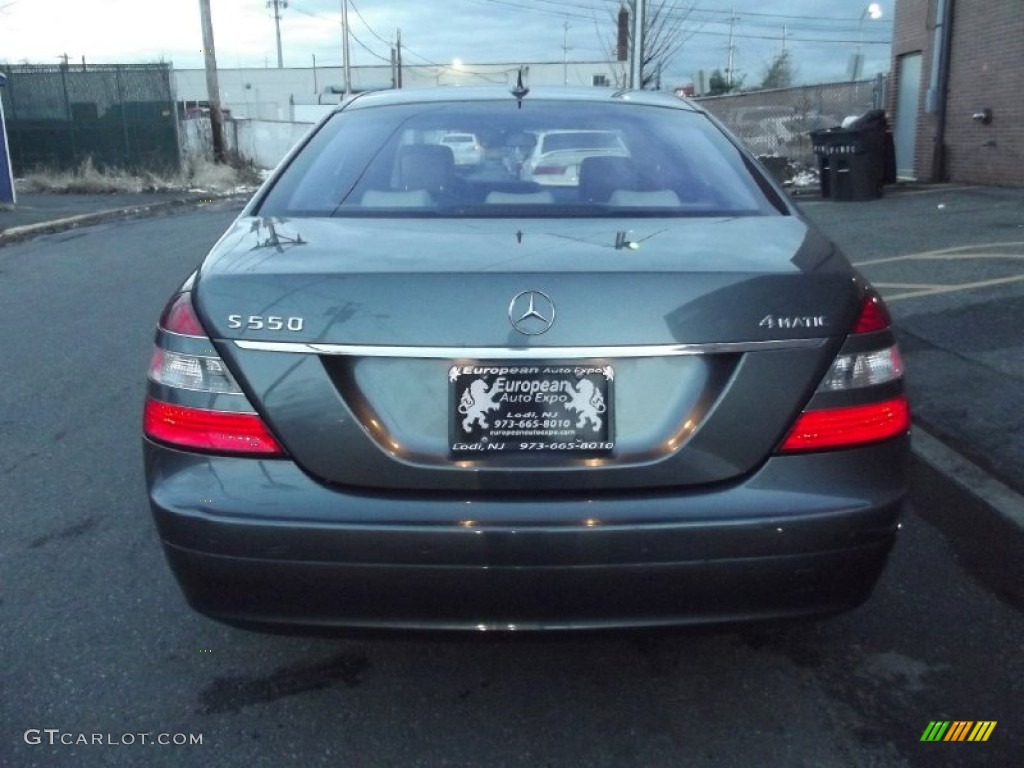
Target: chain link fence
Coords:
[(777, 123), (118, 115)]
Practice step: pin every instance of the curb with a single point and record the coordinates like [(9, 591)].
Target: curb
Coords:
[(968, 477), (980, 518), (28, 231)]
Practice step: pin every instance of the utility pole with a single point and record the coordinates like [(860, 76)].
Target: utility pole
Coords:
[(565, 52), (212, 87), (344, 47), (784, 32), (398, 62), (277, 5), (636, 69), (732, 48)]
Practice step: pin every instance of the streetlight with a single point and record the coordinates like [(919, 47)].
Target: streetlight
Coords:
[(873, 12)]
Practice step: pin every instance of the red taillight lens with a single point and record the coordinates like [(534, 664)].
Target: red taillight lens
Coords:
[(848, 427), (217, 431), (179, 317), (873, 315)]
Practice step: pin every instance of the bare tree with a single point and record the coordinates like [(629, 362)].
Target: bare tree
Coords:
[(666, 28)]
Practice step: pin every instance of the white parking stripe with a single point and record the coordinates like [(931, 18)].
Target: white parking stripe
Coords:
[(954, 253)]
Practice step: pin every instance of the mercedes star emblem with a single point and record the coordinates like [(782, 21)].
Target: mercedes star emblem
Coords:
[(531, 312)]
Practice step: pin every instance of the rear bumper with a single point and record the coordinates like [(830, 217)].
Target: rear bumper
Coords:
[(254, 541), (529, 598)]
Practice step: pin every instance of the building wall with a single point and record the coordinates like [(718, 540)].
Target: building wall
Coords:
[(986, 70), (264, 143), (268, 94)]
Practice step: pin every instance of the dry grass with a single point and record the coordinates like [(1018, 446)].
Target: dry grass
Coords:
[(200, 175)]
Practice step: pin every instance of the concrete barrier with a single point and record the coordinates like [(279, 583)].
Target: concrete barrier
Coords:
[(264, 143)]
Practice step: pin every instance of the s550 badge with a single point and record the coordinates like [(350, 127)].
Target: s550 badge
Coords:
[(265, 323)]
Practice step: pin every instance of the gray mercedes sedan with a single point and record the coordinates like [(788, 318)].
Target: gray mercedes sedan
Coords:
[(407, 392)]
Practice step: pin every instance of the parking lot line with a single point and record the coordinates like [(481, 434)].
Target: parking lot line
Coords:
[(964, 253), (953, 253), (932, 290)]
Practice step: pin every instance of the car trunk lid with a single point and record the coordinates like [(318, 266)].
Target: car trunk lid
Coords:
[(703, 338)]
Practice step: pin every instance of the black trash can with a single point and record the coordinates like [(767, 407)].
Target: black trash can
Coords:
[(854, 162)]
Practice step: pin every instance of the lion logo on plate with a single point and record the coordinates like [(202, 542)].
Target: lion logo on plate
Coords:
[(588, 402), (474, 405)]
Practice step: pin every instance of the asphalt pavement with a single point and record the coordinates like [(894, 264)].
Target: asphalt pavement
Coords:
[(40, 213), (98, 642), (949, 261)]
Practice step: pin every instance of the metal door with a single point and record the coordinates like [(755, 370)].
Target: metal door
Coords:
[(907, 99)]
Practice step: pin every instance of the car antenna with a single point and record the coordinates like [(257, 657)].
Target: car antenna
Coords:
[(520, 90)]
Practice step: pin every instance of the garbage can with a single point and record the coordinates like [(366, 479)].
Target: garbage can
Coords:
[(854, 162), (777, 167)]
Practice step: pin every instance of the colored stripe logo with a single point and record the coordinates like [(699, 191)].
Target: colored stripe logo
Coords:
[(958, 730)]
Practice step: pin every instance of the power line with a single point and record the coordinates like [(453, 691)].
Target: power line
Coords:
[(723, 21), (352, 34), (674, 8), (366, 48), (311, 14), (791, 38), (578, 10), (533, 9), (460, 70), (352, 5)]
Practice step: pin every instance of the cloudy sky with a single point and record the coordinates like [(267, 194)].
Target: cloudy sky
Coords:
[(820, 34)]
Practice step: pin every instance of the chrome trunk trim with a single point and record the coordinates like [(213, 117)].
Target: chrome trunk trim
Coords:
[(529, 353)]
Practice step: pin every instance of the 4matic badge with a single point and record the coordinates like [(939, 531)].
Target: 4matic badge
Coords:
[(795, 321)]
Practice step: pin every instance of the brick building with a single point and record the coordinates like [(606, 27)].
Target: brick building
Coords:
[(971, 130)]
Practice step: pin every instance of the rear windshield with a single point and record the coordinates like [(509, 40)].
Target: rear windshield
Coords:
[(546, 158)]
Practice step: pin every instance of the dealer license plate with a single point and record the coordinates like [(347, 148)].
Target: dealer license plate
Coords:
[(530, 408)]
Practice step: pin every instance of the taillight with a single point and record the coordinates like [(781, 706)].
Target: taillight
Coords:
[(848, 426), (199, 373), (873, 314), (863, 369), (193, 371), (179, 317), (216, 431)]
